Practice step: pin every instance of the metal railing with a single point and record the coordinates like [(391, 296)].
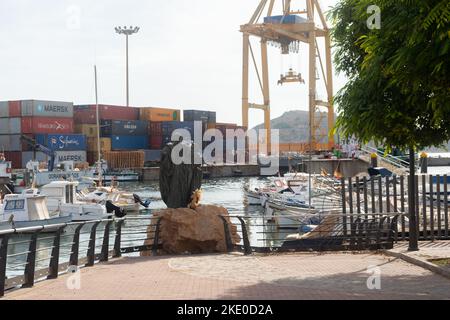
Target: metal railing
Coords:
[(37, 251), (32, 254), (334, 232), (365, 197), (390, 159)]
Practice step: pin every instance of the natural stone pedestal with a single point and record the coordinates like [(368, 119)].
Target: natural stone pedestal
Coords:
[(196, 231)]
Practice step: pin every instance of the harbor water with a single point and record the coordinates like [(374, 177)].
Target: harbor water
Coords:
[(226, 192)]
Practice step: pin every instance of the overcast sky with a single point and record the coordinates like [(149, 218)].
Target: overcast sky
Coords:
[(188, 54)]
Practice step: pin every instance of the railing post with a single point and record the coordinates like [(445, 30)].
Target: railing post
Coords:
[(91, 250), (118, 239), (156, 238), (446, 206), (438, 206), (31, 262), (372, 197), (394, 229), (360, 234), (353, 229), (54, 261), (344, 207), (366, 205), (227, 234), (358, 196), (3, 258), (105, 246), (380, 228), (73, 261), (380, 195), (388, 196), (431, 208), (395, 203), (247, 247), (402, 205)]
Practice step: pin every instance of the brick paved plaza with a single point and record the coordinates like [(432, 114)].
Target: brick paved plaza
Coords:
[(234, 276)]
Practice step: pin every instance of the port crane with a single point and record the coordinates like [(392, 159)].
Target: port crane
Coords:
[(39, 147), (275, 22)]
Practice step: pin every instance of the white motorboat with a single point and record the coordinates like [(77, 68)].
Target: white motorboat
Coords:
[(65, 171), (28, 209), (255, 195), (62, 197), (127, 202)]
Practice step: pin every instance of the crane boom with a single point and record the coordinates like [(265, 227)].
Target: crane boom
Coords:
[(39, 147)]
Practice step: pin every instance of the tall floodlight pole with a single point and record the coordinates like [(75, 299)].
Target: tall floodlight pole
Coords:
[(99, 152), (127, 32)]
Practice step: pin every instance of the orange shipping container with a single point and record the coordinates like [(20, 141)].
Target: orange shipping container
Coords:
[(159, 114), (105, 144), (89, 130)]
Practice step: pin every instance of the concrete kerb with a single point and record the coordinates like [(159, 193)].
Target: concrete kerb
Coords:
[(420, 263)]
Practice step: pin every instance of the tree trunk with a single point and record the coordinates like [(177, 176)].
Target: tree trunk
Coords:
[(413, 237)]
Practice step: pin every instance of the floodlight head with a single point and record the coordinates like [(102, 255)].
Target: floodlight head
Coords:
[(127, 31)]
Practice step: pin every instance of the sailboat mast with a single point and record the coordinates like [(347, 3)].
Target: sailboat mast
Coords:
[(99, 163)]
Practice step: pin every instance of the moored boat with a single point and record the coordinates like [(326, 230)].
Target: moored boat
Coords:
[(28, 209)]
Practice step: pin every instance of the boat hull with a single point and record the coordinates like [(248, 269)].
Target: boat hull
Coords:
[(43, 178), (253, 199)]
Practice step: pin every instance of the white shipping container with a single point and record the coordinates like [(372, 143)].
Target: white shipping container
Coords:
[(10, 143), (4, 109), (60, 156), (10, 125), (75, 156), (40, 108)]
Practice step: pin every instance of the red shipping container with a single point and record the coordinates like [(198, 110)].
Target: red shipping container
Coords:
[(15, 109), (156, 142), (47, 125), (15, 157), (223, 127), (88, 114), (155, 128)]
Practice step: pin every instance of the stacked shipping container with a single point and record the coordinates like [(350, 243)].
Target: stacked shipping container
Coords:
[(159, 114), (156, 118), (70, 130), (206, 117), (87, 114), (126, 135), (230, 143), (167, 128), (121, 131), (35, 118)]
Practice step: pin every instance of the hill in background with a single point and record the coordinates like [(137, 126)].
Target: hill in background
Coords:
[(294, 126)]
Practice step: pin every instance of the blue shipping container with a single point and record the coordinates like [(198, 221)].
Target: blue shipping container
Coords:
[(199, 115), (124, 128), (63, 142), (289, 19), (152, 155), (129, 143), (170, 126)]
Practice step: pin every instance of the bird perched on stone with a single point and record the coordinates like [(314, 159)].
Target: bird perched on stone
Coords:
[(195, 199)]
